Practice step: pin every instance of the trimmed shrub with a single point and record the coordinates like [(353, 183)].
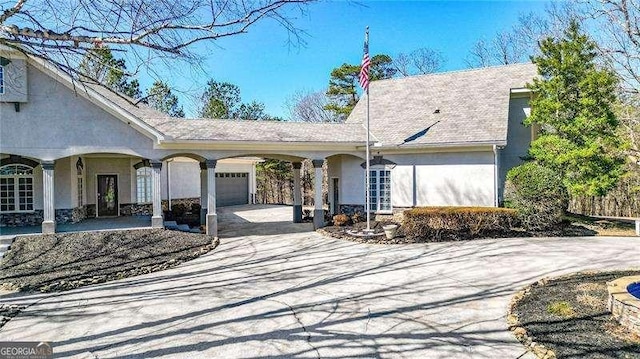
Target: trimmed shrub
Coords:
[(341, 220), (358, 217), (434, 224), (538, 194), (179, 209)]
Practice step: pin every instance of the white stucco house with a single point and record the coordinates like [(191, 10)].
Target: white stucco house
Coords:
[(71, 150)]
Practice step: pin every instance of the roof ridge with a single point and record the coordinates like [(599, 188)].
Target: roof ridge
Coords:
[(435, 74), (228, 120)]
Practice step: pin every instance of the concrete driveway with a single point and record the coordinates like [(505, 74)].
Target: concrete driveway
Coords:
[(300, 295)]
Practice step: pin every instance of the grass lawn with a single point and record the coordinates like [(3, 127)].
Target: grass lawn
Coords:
[(569, 316), (603, 227), (63, 261)]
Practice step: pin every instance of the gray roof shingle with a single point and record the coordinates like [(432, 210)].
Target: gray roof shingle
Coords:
[(258, 131), (473, 106)]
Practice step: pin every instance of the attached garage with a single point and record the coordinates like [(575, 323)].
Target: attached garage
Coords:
[(232, 188)]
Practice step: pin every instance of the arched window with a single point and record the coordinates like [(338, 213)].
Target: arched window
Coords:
[(143, 184), (16, 188)]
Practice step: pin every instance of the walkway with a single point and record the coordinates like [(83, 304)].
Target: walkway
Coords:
[(300, 295)]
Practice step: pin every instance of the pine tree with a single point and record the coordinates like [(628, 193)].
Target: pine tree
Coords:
[(573, 104), (159, 96)]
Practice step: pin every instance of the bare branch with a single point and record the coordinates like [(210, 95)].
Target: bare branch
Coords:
[(64, 31)]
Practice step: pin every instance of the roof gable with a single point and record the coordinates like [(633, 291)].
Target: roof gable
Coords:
[(462, 107)]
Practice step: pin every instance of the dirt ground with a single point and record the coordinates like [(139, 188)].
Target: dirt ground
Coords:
[(63, 261)]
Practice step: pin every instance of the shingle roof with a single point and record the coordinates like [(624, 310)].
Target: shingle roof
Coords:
[(473, 106), (234, 130), (258, 131), (473, 109)]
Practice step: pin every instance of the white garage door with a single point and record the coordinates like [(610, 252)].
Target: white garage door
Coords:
[(232, 189)]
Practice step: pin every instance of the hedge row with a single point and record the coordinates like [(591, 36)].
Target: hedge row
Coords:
[(434, 224)]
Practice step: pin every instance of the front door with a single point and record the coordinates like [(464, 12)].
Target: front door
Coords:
[(107, 195)]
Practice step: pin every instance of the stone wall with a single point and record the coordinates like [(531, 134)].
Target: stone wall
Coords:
[(135, 209), (624, 306), (35, 218), (78, 214)]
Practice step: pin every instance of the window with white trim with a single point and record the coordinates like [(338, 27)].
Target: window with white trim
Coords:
[(143, 184), (380, 190), (16, 188)]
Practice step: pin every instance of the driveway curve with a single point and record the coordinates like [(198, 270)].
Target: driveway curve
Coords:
[(278, 290)]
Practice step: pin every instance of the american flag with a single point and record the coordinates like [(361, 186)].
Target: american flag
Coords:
[(366, 61)]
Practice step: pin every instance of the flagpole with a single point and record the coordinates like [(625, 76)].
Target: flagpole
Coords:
[(368, 176), (368, 201)]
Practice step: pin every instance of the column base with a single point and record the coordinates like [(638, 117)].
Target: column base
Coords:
[(48, 227), (157, 222), (203, 216), (297, 213), (212, 225), (318, 218)]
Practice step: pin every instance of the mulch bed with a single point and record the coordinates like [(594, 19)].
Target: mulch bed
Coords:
[(583, 329), (62, 261), (342, 233), (565, 229)]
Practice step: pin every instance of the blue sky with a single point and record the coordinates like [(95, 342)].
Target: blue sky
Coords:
[(268, 70)]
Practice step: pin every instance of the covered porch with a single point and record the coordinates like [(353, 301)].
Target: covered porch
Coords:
[(89, 224)]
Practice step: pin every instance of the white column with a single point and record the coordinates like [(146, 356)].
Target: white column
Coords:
[(203, 193), (212, 216), (297, 194), (318, 212), (156, 195), (48, 196)]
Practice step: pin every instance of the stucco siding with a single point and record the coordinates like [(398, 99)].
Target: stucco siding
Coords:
[(184, 178), (67, 123), (351, 180), (62, 184), (518, 138), (103, 165), (402, 186), (443, 179), (429, 179)]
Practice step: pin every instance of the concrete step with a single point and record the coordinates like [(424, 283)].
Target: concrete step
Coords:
[(170, 225), (4, 247), (184, 227), (6, 239)]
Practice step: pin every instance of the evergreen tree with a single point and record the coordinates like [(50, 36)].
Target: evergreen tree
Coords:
[(100, 65), (220, 100), (573, 104), (343, 84), (159, 96)]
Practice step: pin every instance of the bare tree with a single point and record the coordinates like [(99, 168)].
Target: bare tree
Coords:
[(64, 31), (402, 63), (427, 61), (618, 22), (419, 62), (307, 106), (521, 41), (479, 55)]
